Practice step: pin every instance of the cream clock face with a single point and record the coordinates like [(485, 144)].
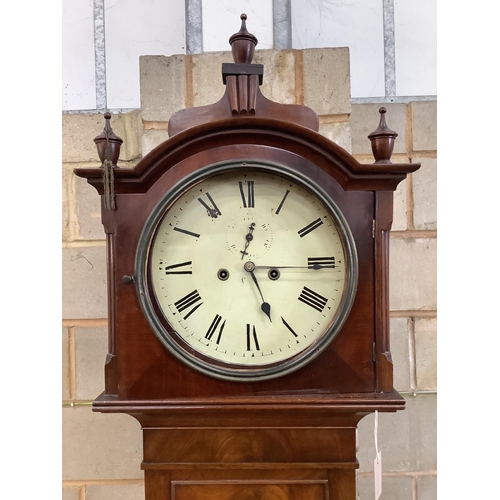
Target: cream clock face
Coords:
[(247, 273)]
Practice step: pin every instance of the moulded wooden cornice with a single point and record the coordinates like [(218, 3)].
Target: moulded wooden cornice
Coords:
[(253, 407), (254, 130)]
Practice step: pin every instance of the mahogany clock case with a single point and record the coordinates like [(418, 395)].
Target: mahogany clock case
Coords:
[(292, 436), (145, 369)]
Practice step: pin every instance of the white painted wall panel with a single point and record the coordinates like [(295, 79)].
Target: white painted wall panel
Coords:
[(416, 47), (133, 29), (222, 18), (78, 61), (354, 24), (148, 27)]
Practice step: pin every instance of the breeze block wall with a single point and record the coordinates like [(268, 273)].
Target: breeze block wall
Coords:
[(102, 452)]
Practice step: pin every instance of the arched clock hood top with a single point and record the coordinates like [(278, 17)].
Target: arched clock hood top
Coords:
[(243, 116), (253, 130)]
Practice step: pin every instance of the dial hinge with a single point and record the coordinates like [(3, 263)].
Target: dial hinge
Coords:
[(374, 351), (373, 228)]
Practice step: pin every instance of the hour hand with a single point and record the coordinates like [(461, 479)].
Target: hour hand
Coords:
[(266, 307)]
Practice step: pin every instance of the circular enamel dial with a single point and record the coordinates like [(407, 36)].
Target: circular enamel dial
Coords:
[(246, 271)]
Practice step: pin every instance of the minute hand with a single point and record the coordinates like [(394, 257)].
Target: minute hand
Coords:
[(311, 266)]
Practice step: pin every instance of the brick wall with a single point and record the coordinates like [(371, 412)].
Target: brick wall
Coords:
[(102, 453)]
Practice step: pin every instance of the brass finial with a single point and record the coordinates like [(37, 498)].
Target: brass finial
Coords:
[(243, 43), (382, 140)]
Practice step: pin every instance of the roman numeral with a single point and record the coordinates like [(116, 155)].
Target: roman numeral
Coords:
[(310, 227), (168, 269), (252, 335), (289, 327), (213, 329), (213, 212), (313, 299), (251, 200), (196, 235), (282, 201), (189, 300), (321, 262)]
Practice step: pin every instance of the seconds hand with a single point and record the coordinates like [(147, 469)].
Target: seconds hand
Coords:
[(249, 238)]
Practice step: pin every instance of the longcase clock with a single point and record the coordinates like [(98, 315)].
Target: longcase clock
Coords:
[(248, 296)]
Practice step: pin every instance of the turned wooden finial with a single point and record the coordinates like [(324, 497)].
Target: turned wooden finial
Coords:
[(108, 147), (243, 43), (108, 138), (382, 140)]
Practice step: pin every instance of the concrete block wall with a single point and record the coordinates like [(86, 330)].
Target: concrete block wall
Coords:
[(318, 78), (102, 453)]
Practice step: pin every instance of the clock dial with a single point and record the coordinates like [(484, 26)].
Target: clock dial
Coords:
[(247, 273)]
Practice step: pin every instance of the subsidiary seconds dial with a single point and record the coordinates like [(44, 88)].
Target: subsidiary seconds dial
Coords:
[(246, 271)]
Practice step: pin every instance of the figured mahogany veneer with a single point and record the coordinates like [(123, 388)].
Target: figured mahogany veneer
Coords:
[(145, 367), (289, 438)]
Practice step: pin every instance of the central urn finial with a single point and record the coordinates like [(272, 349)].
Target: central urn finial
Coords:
[(243, 43)]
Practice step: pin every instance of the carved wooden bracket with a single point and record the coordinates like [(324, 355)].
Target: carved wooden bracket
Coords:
[(242, 93)]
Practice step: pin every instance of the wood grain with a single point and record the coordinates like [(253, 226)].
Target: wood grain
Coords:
[(289, 438)]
